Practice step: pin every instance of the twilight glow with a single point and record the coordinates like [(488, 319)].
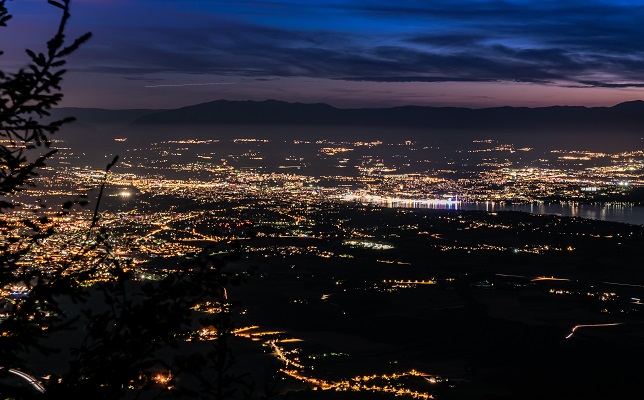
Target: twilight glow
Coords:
[(349, 53)]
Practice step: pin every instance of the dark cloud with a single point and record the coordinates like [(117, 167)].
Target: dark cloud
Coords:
[(142, 78), (561, 39), (610, 85), (447, 40), (543, 42), (412, 79)]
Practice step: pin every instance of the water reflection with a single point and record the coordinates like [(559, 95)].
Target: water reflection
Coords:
[(604, 212)]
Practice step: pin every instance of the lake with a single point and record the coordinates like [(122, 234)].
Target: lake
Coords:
[(604, 212)]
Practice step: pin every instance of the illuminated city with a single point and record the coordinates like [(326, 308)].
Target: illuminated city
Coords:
[(342, 200), (353, 237)]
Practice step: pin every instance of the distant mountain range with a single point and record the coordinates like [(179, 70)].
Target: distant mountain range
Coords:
[(623, 117)]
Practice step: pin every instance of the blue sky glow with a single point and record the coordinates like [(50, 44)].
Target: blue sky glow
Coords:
[(535, 52)]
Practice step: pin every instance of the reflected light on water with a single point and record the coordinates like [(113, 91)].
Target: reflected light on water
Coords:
[(604, 212)]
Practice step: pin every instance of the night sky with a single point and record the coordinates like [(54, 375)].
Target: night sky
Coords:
[(348, 53)]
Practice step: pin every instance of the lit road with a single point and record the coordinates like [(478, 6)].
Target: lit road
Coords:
[(548, 278), (623, 284), (574, 328), (410, 282), (358, 383), (32, 380)]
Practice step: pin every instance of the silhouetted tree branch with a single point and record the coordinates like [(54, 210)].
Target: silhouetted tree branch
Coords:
[(126, 339), (26, 97)]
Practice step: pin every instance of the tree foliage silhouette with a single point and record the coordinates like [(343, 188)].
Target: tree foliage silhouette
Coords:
[(126, 339), (26, 98)]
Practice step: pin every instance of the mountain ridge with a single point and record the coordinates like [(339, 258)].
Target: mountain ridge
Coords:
[(623, 116), (627, 115)]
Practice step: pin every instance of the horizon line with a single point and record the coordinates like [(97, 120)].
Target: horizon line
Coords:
[(345, 108)]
